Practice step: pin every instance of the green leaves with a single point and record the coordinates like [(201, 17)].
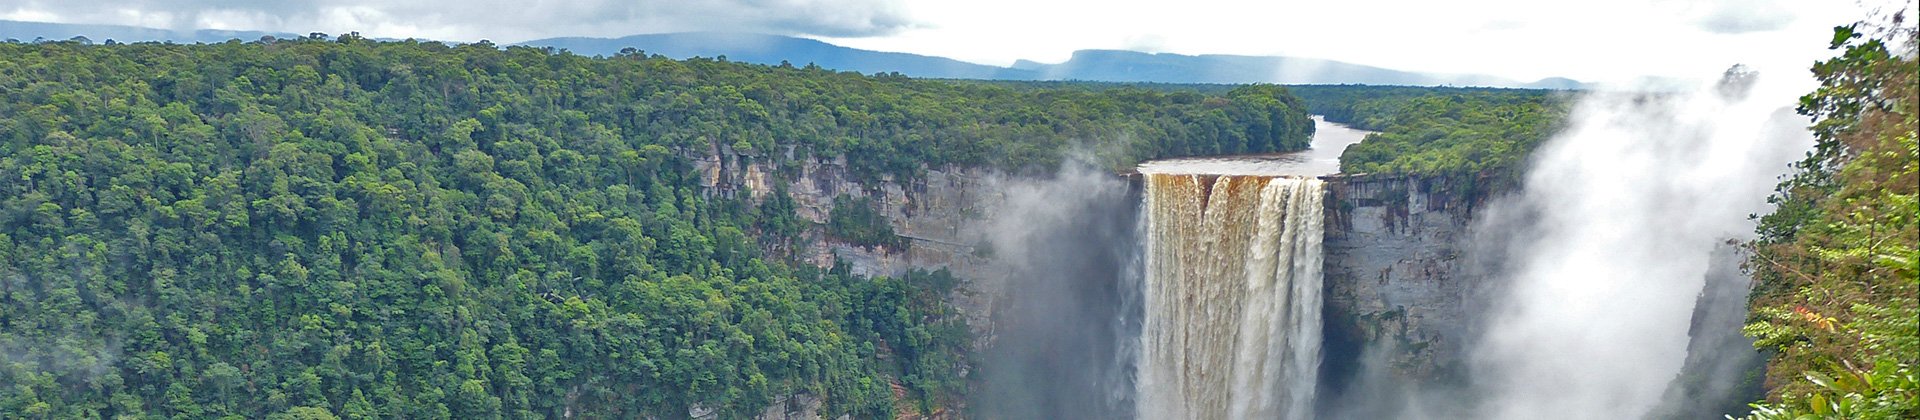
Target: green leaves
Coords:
[(1836, 276), (1843, 35), (859, 221), (1887, 391)]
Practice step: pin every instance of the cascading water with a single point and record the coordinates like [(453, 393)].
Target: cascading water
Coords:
[(1231, 297)]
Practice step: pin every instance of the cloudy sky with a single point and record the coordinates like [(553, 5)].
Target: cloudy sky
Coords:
[(1600, 40)]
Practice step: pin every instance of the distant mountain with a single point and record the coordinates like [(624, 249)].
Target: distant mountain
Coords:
[(30, 31), (772, 49), (1085, 65), (1559, 83)]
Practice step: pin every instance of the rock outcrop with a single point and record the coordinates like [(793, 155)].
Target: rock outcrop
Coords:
[(1398, 285), (933, 213)]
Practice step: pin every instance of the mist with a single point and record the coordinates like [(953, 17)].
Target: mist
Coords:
[(1605, 251), (1723, 371), (1066, 318)]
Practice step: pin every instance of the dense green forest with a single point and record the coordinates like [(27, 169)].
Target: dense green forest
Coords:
[(1438, 130), (1426, 130), (1837, 265), (420, 230)]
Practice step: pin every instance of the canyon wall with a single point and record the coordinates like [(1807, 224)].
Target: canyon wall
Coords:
[(1398, 284), (1398, 287), (939, 215)]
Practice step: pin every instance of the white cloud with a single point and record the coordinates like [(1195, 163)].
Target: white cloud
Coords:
[(469, 20), (1742, 16), (1604, 40), (1521, 39)]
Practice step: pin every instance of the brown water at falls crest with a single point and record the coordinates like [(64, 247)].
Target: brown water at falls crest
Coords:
[(1232, 297)]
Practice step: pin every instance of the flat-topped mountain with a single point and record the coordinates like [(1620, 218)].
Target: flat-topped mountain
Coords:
[(1085, 65)]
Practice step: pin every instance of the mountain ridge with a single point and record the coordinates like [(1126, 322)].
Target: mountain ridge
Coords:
[(772, 49), (29, 31), (1095, 65)]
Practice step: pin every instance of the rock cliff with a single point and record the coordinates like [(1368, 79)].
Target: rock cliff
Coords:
[(933, 213), (1398, 284)]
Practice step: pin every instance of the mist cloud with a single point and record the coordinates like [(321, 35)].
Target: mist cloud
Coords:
[(467, 20), (1067, 317), (1626, 208)]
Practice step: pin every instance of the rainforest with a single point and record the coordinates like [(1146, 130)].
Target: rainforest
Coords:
[(341, 226)]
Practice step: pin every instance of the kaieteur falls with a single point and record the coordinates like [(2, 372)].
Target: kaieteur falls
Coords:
[(1232, 297), (1240, 299)]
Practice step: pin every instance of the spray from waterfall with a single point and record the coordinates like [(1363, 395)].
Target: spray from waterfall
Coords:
[(1065, 311), (1606, 248), (1231, 297)]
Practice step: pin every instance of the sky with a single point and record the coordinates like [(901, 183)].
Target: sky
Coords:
[(1596, 41)]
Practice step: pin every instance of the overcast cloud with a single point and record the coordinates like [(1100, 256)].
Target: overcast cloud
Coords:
[(1742, 16), (472, 20), (1597, 40)]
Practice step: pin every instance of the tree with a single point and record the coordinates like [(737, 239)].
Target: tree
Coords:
[(1837, 263)]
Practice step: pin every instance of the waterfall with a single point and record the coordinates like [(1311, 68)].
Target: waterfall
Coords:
[(1231, 297)]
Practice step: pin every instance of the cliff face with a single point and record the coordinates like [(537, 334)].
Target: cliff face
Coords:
[(1397, 283), (931, 212), (1042, 263), (938, 214)]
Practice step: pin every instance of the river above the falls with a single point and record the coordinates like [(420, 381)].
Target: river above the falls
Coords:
[(1322, 157)]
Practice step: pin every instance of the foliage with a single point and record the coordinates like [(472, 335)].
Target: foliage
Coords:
[(1438, 131), (1836, 264), (926, 338), (858, 221), (312, 227)]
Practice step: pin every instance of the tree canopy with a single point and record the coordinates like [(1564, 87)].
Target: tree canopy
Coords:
[(1438, 130), (316, 227)]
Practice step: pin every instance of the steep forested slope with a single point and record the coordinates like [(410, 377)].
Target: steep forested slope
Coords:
[(1837, 265), (417, 230)]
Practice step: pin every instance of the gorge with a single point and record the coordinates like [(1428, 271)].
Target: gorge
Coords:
[(1266, 287), (1068, 269)]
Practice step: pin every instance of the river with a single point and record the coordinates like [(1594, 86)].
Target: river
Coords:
[(1322, 157)]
